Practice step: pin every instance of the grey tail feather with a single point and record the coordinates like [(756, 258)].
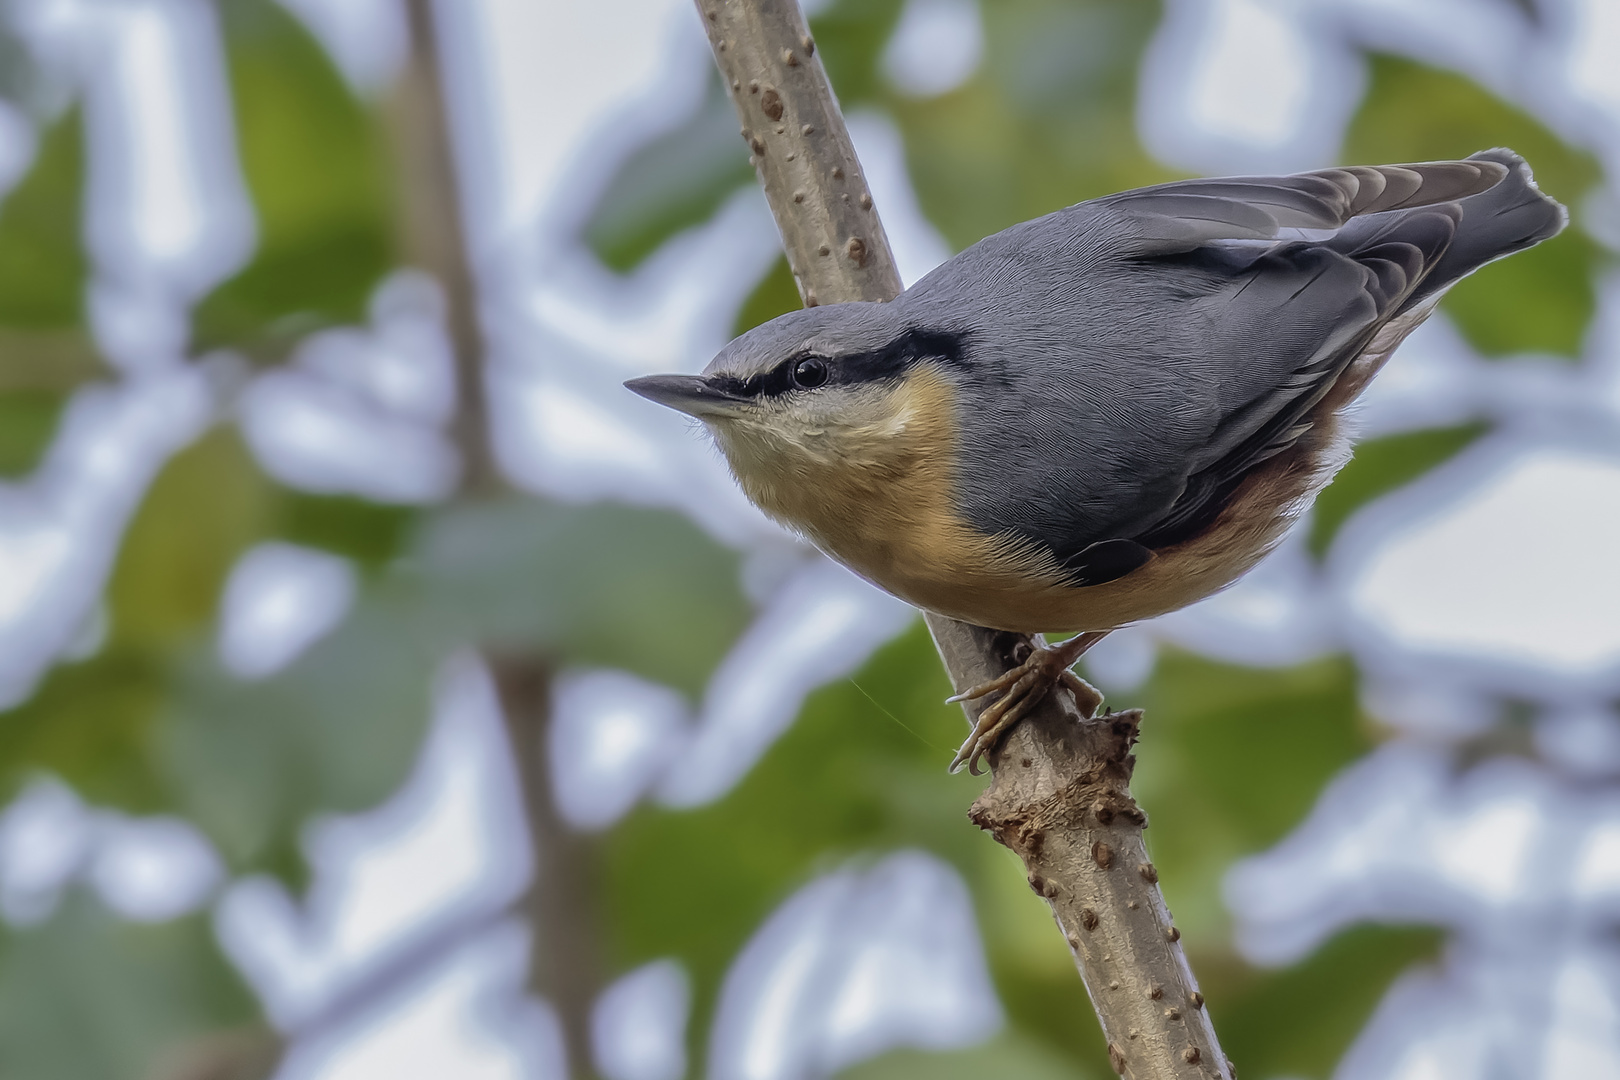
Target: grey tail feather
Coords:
[(1508, 217)]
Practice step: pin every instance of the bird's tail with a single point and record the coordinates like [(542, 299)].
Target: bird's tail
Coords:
[(1511, 215)]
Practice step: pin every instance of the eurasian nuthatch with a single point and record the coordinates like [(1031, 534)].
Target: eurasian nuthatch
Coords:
[(1111, 411)]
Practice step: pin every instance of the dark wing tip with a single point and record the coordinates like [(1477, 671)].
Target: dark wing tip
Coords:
[(1105, 561)]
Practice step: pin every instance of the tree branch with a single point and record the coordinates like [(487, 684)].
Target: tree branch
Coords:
[(565, 964), (1060, 796), (432, 234)]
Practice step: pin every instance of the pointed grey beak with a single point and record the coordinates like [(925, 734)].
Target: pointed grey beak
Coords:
[(691, 394)]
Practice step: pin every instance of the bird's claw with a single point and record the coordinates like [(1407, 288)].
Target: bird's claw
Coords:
[(1022, 688)]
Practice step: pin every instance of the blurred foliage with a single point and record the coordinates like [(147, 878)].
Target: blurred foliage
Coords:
[(39, 369), (1541, 299), (674, 182), (43, 269), (27, 421), (776, 294), (1231, 759), (1048, 120), (862, 770), (1010, 1054), (1299, 1020), (1380, 466), (153, 722), (317, 163), (86, 995), (1022, 137)]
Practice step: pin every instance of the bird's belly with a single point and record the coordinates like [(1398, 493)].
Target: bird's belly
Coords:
[(1171, 580), (962, 577)]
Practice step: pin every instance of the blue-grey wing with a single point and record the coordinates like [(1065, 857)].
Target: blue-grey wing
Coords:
[(1132, 358)]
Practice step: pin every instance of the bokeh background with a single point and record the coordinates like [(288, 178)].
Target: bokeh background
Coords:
[(387, 693)]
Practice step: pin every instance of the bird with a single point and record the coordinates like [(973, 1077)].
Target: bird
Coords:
[(1106, 413)]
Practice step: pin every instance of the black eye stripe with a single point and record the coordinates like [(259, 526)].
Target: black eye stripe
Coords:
[(889, 362)]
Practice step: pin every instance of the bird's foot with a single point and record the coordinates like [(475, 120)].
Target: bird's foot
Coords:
[(1022, 688)]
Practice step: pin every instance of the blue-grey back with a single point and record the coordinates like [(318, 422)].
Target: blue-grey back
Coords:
[(1128, 356)]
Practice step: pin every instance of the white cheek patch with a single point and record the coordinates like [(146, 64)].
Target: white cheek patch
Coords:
[(848, 424)]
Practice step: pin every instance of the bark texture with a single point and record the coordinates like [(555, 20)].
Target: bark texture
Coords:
[(1060, 794)]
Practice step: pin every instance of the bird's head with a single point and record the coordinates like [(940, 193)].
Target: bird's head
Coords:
[(820, 397)]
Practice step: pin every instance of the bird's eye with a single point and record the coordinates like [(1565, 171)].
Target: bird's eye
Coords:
[(810, 372)]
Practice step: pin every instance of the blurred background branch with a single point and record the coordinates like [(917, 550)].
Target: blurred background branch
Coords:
[(432, 234), (563, 966)]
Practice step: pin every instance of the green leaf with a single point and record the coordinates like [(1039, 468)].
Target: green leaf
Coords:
[(39, 370), (317, 165), (206, 508), (1047, 122), (1299, 1020), (600, 585), (42, 264), (86, 996), (776, 294), (1380, 466), (27, 422), (339, 729), (252, 762), (370, 533), (1230, 760), (90, 723), (861, 771), (850, 37), (1540, 300), (1011, 1055), (672, 183)]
